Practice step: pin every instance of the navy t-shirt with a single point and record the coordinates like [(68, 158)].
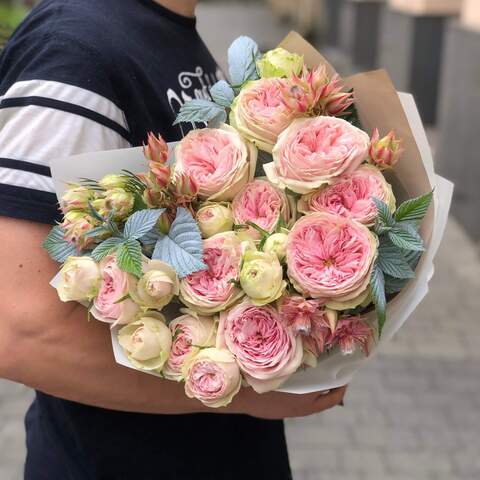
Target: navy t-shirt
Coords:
[(90, 75)]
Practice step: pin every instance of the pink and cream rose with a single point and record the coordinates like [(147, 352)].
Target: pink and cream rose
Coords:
[(213, 377), (330, 257), (112, 304), (267, 351), (314, 151), (351, 196), (263, 204), (218, 160), (259, 112), (190, 333), (211, 290)]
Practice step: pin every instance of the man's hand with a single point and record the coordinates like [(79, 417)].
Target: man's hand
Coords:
[(284, 405), (50, 345)]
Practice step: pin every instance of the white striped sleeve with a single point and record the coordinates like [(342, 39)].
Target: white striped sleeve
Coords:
[(41, 120)]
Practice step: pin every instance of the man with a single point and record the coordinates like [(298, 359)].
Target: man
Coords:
[(89, 75)]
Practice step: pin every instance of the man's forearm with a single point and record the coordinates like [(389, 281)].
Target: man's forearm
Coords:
[(73, 359)]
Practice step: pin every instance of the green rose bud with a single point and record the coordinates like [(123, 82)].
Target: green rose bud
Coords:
[(261, 277), (214, 218), (79, 280), (279, 63), (76, 198), (147, 342), (276, 244)]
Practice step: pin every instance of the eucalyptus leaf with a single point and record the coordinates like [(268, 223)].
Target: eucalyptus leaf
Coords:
[(222, 93), (243, 54), (199, 110), (182, 248), (129, 257), (141, 222), (57, 247)]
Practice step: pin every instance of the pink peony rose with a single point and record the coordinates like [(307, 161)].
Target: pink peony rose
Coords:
[(313, 151), (114, 286), (259, 112), (351, 195), (330, 257), (190, 332), (212, 290), (265, 348), (218, 161), (261, 203), (213, 377)]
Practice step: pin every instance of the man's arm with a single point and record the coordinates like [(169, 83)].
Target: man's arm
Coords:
[(50, 345)]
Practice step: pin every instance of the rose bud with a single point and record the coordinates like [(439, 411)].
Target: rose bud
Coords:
[(276, 244), (214, 218), (113, 303), (385, 152), (156, 287), (312, 152), (75, 225), (76, 198), (120, 202), (266, 350), (156, 150), (79, 280), (147, 342), (279, 63), (259, 112), (190, 333), (113, 181), (261, 277), (218, 160), (213, 377), (352, 332), (350, 195), (185, 188)]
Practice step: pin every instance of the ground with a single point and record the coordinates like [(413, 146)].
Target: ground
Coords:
[(412, 412)]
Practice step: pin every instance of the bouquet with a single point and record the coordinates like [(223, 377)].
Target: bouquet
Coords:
[(269, 249)]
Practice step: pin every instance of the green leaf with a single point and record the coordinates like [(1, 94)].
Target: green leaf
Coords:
[(242, 57), (394, 285), (93, 212), (200, 110), (141, 222), (222, 93), (57, 247), (377, 285), (97, 232), (383, 213), (405, 239), (182, 248), (414, 209), (392, 261), (138, 202), (105, 248), (129, 257)]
